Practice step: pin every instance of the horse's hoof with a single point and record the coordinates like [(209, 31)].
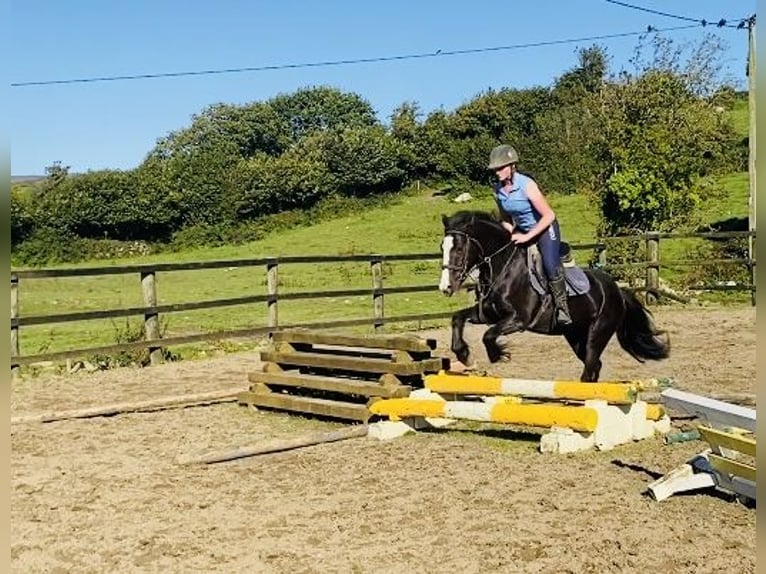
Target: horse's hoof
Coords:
[(459, 367)]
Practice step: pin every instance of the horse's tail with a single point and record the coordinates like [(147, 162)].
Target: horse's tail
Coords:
[(637, 333)]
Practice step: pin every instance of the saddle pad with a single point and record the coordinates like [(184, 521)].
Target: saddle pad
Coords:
[(577, 282)]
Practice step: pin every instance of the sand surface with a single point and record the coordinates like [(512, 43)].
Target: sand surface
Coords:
[(106, 495)]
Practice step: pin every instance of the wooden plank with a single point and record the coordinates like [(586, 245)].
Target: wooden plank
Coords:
[(219, 264), (332, 384), (309, 405), (743, 399), (400, 342), (732, 467), (211, 336), (154, 404), (395, 355), (713, 412), (277, 445), (130, 311), (193, 306), (717, 438), (353, 364), (337, 350)]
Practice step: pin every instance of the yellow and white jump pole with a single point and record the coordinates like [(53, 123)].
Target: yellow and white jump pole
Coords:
[(577, 418), (621, 393)]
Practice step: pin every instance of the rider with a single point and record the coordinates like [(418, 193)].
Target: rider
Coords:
[(528, 216)]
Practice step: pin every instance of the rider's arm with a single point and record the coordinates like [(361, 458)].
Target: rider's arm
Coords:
[(542, 206), (506, 222)]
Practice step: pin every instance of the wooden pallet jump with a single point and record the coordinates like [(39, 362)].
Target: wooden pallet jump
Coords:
[(339, 375)]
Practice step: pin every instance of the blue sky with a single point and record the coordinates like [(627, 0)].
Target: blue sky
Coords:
[(114, 124)]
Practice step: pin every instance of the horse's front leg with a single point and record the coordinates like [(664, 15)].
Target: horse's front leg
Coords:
[(505, 326), (459, 346)]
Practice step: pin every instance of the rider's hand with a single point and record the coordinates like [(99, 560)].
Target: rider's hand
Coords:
[(520, 237)]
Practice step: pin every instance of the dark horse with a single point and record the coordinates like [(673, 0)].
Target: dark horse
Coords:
[(476, 242)]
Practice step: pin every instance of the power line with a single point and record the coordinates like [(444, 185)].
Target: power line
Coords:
[(436, 54), (721, 23)]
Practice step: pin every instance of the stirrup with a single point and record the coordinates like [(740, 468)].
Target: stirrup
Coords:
[(562, 317)]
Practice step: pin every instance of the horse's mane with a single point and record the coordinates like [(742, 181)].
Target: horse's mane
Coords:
[(467, 218)]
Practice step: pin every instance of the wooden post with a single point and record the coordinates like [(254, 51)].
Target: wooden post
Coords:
[(14, 315), (377, 291), (653, 266), (602, 260), (272, 281), (751, 159), (151, 317), (275, 445)]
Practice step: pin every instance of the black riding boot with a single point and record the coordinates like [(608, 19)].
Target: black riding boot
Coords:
[(559, 291)]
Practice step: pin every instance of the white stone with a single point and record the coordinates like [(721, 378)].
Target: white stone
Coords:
[(662, 425), (463, 197)]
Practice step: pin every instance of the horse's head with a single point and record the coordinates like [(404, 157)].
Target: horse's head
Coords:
[(466, 234)]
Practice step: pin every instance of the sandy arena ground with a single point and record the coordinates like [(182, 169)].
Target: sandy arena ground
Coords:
[(105, 494)]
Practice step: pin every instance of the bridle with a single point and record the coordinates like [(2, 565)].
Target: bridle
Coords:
[(463, 268), (483, 260)]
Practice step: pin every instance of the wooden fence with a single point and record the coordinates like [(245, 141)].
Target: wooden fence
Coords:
[(151, 310)]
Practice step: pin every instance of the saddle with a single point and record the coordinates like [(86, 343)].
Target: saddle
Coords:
[(577, 282)]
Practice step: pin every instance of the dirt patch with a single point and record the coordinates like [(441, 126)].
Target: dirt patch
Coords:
[(105, 495)]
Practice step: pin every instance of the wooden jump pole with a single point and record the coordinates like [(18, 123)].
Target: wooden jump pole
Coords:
[(272, 446), (154, 404)]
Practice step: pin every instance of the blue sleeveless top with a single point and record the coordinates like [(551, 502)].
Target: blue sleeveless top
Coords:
[(516, 203)]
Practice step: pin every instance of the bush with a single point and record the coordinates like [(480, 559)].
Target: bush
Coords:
[(49, 246), (22, 218)]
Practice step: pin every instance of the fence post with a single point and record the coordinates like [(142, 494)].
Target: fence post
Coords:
[(272, 281), (602, 260), (14, 326), (652, 266), (151, 317), (376, 262)]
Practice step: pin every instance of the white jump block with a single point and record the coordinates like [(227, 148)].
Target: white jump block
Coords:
[(617, 424), (387, 430), (681, 479), (562, 440)]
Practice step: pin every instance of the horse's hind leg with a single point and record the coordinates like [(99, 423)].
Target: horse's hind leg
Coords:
[(598, 337), (577, 337)]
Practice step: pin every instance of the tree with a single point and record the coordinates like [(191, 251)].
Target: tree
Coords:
[(321, 109), (656, 140), (566, 129)]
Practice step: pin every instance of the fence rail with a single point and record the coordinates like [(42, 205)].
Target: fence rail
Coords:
[(151, 311)]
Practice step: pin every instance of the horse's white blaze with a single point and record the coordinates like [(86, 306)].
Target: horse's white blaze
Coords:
[(447, 244)]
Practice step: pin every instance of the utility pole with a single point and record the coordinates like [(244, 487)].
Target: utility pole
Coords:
[(751, 140)]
